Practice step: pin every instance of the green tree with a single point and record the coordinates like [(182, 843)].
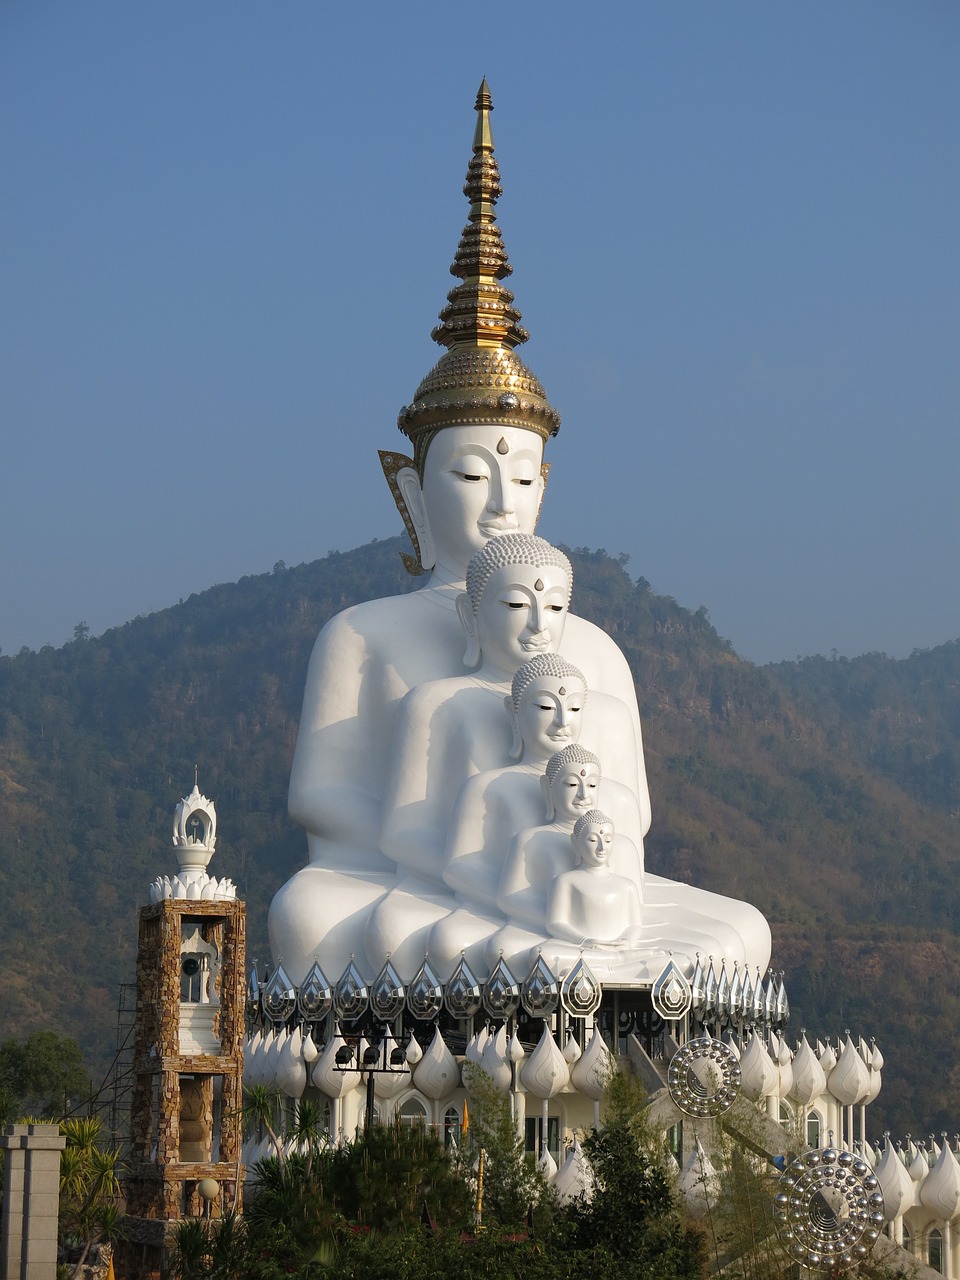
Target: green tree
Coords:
[(45, 1074), (512, 1185), (631, 1217)]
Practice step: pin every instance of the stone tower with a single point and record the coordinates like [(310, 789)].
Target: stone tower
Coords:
[(188, 1047)]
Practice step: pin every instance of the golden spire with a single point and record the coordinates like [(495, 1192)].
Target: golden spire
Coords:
[(479, 379), (479, 311)]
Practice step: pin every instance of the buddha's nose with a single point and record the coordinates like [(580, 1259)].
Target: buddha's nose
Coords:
[(500, 499), (538, 619)]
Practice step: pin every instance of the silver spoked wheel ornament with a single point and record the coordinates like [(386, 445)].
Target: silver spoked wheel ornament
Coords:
[(828, 1210), (704, 1077)]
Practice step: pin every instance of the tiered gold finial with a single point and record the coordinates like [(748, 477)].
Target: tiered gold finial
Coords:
[(479, 379)]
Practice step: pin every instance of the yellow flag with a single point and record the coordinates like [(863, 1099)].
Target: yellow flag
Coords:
[(464, 1128)]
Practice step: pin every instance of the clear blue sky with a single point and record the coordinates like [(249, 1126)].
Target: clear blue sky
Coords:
[(225, 229)]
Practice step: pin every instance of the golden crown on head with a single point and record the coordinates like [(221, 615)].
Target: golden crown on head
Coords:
[(479, 379)]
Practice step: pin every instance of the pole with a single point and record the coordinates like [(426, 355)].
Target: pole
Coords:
[(368, 1116)]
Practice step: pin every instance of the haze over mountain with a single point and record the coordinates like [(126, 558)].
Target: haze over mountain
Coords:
[(825, 791)]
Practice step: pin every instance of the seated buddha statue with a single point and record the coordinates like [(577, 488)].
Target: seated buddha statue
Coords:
[(545, 707), (477, 424), (515, 605), (590, 904)]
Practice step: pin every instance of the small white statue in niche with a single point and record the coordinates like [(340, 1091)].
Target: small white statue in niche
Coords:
[(590, 904)]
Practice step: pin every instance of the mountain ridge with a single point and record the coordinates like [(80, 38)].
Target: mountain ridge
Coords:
[(823, 791)]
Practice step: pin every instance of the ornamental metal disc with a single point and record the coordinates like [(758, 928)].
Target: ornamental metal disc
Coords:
[(580, 991), (829, 1210), (501, 993), (462, 995), (541, 991), (253, 992), (350, 995), (698, 990), (671, 994), (425, 994), (278, 996), (315, 997), (387, 994), (704, 1077)]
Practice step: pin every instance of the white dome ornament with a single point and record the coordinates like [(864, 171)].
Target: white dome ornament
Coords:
[(437, 1072), (496, 1061), (760, 1074), (940, 1190), (575, 1177), (194, 839), (699, 1182), (809, 1077), (895, 1183), (591, 1071)]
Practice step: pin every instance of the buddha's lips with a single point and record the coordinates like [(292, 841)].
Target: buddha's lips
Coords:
[(493, 528)]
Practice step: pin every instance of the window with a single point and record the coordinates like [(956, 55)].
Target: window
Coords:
[(412, 1111), (814, 1129), (534, 1136), (675, 1142), (935, 1250), (451, 1127)]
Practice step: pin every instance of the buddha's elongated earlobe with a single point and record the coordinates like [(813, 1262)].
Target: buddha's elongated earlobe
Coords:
[(469, 623), (401, 475), (516, 746), (544, 474), (547, 796)]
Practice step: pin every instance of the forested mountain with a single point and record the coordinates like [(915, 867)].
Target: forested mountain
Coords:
[(826, 791)]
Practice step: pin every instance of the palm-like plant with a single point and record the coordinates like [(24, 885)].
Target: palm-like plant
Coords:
[(260, 1107), (89, 1186)]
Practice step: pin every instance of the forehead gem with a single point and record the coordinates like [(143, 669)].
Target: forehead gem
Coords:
[(583, 773), (562, 690), (538, 585), (502, 446)]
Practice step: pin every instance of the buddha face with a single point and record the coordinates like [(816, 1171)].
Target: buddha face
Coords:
[(549, 715), (592, 845), (478, 482), (574, 791), (521, 613)]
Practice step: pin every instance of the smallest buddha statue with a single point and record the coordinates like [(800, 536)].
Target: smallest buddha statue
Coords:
[(591, 905)]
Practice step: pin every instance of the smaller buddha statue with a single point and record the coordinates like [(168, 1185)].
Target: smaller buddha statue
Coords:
[(591, 905), (545, 706), (537, 855), (514, 607), (516, 601)]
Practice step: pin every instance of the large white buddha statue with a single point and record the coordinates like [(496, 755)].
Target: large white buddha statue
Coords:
[(477, 423)]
